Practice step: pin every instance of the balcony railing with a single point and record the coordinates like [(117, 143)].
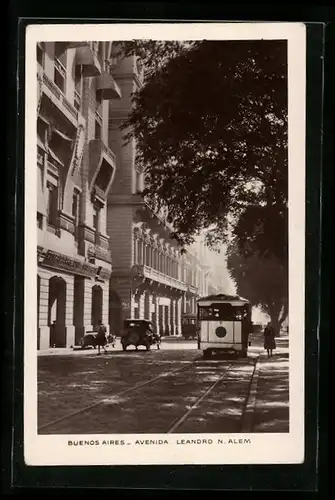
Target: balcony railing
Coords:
[(192, 289), (99, 192), (98, 115), (57, 97), (77, 100), (60, 75), (60, 67), (159, 277)]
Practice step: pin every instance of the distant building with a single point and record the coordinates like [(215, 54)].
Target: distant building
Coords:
[(216, 276)]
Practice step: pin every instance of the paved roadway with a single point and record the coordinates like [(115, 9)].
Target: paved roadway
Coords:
[(167, 390)]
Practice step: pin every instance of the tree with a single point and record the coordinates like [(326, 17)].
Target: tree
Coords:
[(263, 281), (210, 124)]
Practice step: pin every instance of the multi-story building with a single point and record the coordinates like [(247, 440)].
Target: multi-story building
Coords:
[(150, 279), (75, 169), (196, 276), (216, 278)]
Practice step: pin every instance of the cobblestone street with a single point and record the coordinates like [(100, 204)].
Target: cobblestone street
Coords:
[(167, 390)]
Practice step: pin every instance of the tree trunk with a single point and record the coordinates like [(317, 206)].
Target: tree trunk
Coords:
[(276, 325)]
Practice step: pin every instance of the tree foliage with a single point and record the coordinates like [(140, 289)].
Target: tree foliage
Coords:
[(210, 124), (264, 281)]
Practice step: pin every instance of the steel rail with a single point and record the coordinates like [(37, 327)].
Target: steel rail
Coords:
[(118, 394)]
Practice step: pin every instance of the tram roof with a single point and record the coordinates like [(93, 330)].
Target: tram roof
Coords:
[(222, 297)]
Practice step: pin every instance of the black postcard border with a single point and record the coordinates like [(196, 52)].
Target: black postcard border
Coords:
[(302, 477)]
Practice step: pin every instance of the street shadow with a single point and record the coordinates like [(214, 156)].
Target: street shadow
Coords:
[(278, 356), (272, 405)]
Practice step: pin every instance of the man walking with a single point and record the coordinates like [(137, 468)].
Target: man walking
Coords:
[(101, 337)]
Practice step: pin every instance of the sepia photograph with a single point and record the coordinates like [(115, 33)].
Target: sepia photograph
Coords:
[(164, 272)]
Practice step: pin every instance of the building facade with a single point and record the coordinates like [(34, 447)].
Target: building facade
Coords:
[(103, 253), (75, 170)]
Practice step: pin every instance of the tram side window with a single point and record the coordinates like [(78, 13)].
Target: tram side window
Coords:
[(224, 312), (209, 313)]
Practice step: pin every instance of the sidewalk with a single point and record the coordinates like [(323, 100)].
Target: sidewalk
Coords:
[(167, 343), (269, 403)]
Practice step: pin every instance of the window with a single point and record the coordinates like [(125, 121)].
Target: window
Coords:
[(77, 85), (75, 207), (60, 66), (97, 133), (101, 52), (52, 204), (42, 130), (223, 312), (104, 176), (39, 220), (40, 54), (96, 218), (98, 114), (98, 101), (96, 224), (40, 157)]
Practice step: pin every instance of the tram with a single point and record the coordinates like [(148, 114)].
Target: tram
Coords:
[(225, 324), (189, 326)]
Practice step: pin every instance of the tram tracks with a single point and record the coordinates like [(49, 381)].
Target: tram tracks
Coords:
[(244, 421), (115, 395), (179, 421), (195, 405)]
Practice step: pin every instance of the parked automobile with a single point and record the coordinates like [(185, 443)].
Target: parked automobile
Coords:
[(89, 340), (139, 332)]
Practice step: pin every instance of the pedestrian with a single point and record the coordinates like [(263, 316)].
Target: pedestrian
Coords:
[(101, 337), (269, 338), (111, 339)]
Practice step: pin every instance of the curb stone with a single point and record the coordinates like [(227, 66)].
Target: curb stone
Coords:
[(247, 419)]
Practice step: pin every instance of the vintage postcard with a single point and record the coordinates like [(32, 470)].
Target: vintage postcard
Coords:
[(165, 243)]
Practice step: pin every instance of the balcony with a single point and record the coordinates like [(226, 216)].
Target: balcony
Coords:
[(151, 274), (109, 88), (87, 57), (48, 88), (102, 168), (192, 289)]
